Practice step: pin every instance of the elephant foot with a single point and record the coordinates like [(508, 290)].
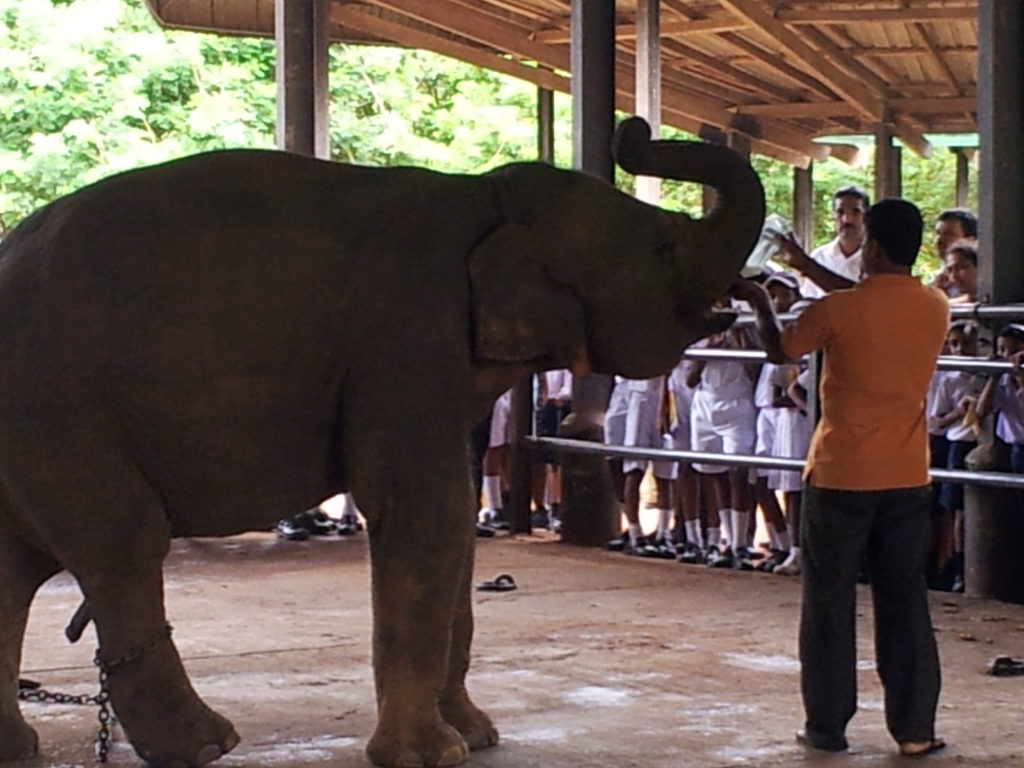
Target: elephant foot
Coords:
[(404, 743), (187, 736), (198, 741), (18, 740), (473, 723)]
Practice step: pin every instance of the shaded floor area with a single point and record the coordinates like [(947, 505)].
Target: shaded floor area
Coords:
[(597, 659)]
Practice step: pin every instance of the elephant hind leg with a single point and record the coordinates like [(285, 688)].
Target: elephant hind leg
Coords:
[(111, 531), (23, 569)]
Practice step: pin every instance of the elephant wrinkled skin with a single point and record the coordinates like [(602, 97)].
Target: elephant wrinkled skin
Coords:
[(200, 347)]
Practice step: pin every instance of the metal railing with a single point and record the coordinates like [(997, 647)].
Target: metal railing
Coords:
[(944, 363)]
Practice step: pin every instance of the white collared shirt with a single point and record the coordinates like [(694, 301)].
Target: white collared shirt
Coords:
[(831, 257)]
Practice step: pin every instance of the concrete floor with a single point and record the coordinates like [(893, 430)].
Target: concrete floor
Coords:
[(597, 659)]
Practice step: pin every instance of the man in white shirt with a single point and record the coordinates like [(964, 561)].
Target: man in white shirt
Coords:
[(837, 264)]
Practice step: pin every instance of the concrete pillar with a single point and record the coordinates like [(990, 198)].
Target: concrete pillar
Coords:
[(648, 86), (590, 515), (803, 205), (993, 524), (712, 135), (521, 419), (963, 177), (300, 31), (888, 165)]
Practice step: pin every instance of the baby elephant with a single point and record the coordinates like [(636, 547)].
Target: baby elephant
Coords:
[(195, 348)]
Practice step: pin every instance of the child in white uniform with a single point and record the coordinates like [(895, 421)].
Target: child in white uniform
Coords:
[(772, 403), (952, 411), (645, 428), (691, 545), (722, 420), (793, 438), (494, 465)]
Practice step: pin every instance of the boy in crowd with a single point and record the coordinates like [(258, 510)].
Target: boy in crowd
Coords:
[(645, 428), (772, 404), (554, 403), (722, 420), (495, 465), (952, 412)]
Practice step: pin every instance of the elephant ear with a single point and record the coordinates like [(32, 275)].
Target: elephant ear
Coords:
[(520, 313)]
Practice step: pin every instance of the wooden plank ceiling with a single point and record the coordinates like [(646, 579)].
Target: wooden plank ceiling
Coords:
[(781, 72)]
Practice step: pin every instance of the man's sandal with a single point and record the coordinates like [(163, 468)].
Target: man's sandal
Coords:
[(501, 583), (921, 748)]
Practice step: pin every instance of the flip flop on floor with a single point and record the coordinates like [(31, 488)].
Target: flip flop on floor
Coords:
[(501, 583), (921, 748)]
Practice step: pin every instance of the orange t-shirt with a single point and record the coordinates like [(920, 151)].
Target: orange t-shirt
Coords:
[(880, 340)]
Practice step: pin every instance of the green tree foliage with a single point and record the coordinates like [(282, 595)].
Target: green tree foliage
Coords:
[(92, 87)]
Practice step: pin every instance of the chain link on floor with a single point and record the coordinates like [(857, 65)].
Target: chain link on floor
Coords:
[(28, 691)]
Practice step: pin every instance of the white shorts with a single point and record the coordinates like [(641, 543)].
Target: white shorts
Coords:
[(721, 426), (615, 416), (499, 420), (642, 432), (767, 436), (792, 438)]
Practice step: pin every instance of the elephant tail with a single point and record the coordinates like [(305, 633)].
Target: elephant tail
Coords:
[(734, 225)]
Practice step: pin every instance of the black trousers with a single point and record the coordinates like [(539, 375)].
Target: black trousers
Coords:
[(889, 530)]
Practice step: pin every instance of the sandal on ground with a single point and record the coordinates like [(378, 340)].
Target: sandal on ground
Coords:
[(501, 583), (921, 748)]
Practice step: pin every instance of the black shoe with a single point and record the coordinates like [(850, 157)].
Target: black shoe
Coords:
[(287, 529), (498, 521), (720, 558), (661, 548), (484, 531), (690, 553), (742, 560), (349, 526), (638, 547), (776, 558), (540, 519)]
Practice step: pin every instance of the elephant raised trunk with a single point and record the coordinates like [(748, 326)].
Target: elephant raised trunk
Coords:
[(731, 229)]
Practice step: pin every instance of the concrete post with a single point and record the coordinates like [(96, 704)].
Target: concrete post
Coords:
[(590, 514), (994, 567), (300, 31)]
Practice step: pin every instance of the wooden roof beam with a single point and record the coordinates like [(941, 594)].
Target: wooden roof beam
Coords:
[(758, 15), (370, 23), (675, 28), (487, 31), (936, 56), (877, 15), (829, 109), (475, 25), (912, 136)]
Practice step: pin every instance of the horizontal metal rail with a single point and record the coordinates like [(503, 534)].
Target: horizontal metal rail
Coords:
[(564, 445), (945, 363), (978, 312)]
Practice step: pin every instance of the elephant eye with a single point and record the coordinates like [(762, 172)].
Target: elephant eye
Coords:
[(665, 255)]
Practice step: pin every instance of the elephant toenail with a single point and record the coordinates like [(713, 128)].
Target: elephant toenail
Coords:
[(452, 756), (230, 742), (208, 754), (408, 759)]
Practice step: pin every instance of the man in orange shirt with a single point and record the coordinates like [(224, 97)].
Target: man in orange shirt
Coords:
[(867, 493)]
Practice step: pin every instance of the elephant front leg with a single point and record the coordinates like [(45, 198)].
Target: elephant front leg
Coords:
[(421, 547), (456, 707)]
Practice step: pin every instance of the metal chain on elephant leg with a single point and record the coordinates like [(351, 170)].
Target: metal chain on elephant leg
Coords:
[(31, 691)]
